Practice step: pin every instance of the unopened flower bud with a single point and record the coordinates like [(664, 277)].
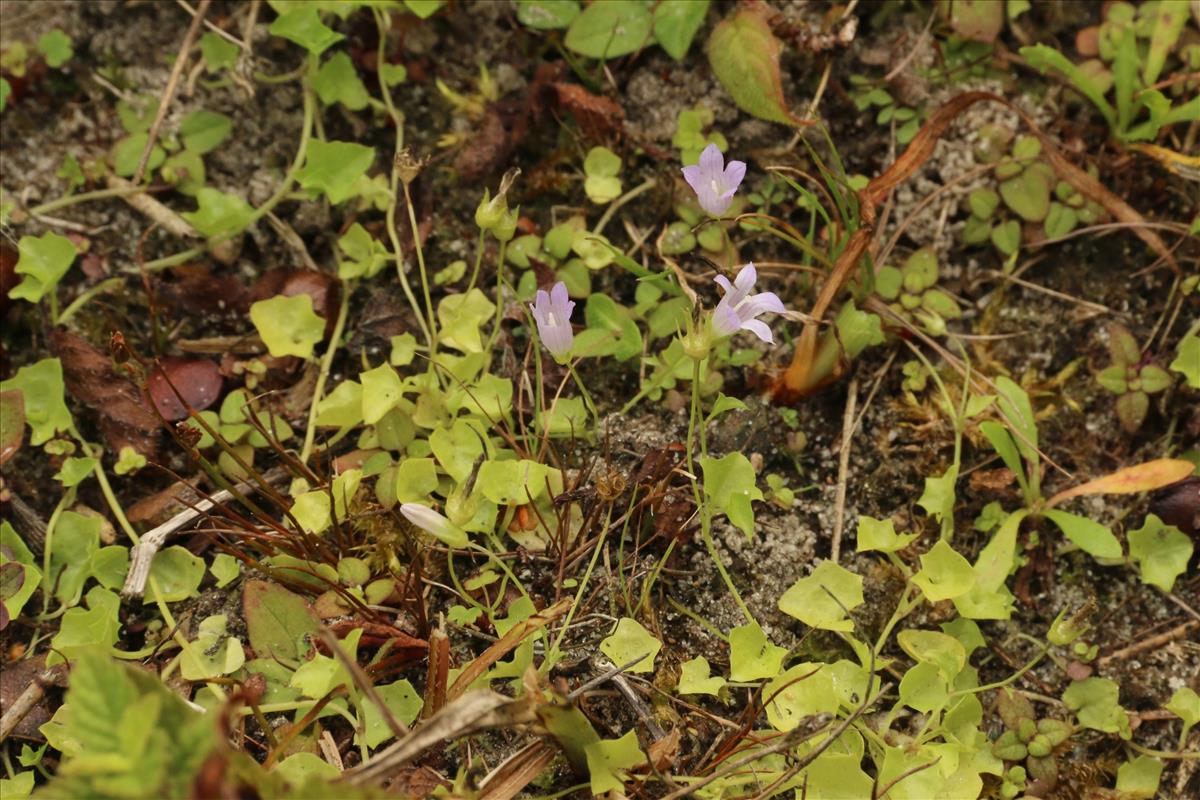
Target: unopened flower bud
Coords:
[(492, 210), (507, 227), (434, 524)]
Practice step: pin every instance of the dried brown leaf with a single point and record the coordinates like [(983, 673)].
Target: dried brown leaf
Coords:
[(1139, 478), (124, 413)]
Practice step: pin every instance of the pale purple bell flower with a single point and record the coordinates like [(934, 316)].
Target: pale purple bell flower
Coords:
[(713, 182), (552, 313), (739, 309)]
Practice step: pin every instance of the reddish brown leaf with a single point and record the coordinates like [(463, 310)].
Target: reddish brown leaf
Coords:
[(164, 504), (196, 291), (197, 381), (125, 416), (504, 646), (1179, 505), (598, 117), (918, 151), (487, 151), (8, 273)]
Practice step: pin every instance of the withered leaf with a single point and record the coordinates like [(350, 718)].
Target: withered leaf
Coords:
[(123, 412)]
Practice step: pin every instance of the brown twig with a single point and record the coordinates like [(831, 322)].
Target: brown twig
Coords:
[(1178, 632), (169, 89), (398, 728), (848, 425), (30, 697)]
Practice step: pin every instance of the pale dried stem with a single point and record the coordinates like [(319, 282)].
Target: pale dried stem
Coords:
[(1153, 643), (169, 89), (848, 426), (142, 554)]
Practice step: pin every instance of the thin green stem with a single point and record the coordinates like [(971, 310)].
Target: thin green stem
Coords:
[(280, 194), (83, 197), (310, 432), (67, 498), (285, 77), (478, 261), (694, 422), (86, 297), (416, 232), (1010, 679), (649, 386), (587, 397), (499, 294), (381, 21), (615, 205), (553, 654)]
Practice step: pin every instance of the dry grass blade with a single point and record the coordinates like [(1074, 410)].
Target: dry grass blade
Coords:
[(923, 144), (1094, 190), (918, 151), (504, 646), (437, 672), (507, 780), (474, 711), (1139, 478)]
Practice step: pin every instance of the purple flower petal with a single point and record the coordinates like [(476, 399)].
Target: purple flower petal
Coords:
[(734, 173), (764, 302), (747, 277), (725, 321), (712, 163), (552, 313), (759, 329), (739, 309)]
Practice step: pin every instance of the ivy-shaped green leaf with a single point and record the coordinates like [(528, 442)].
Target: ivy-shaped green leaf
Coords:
[(880, 534), (628, 641), (609, 30), (334, 168), (178, 574), (288, 325), (218, 53), (56, 47), (822, 599), (695, 678), (944, 574), (1187, 360), (1095, 703), (337, 82), (729, 484), (302, 24), (219, 213), (42, 262), (461, 316), (607, 760), (752, 655), (203, 131), (1161, 551), (80, 630), (43, 392), (676, 23)]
